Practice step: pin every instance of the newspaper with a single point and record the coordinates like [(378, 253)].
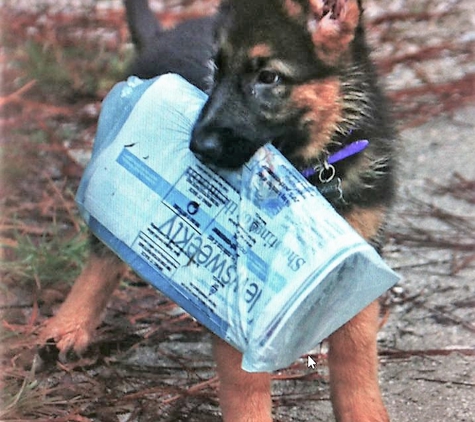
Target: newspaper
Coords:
[(256, 255)]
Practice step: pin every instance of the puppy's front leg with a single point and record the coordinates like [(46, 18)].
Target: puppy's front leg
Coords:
[(243, 396), (353, 362), (353, 354), (80, 314)]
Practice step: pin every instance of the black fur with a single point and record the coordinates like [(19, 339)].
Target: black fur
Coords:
[(185, 50)]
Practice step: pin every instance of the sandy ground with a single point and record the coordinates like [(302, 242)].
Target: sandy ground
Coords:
[(432, 388)]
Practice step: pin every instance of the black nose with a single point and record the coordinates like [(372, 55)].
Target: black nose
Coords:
[(221, 146), (208, 147)]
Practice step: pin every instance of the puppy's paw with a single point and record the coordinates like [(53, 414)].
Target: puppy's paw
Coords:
[(68, 333)]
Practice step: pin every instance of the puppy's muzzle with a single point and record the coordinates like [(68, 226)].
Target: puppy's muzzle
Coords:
[(220, 146)]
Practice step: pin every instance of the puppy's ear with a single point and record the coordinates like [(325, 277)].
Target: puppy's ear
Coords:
[(332, 25)]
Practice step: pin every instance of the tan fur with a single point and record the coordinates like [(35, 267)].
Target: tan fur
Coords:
[(243, 396), (293, 8), (353, 355), (353, 359), (260, 50), (322, 99), (74, 324), (366, 221)]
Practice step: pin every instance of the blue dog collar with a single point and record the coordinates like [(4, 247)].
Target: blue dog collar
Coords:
[(347, 151)]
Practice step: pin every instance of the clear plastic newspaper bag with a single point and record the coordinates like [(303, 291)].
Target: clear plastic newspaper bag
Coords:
[(257, 255)]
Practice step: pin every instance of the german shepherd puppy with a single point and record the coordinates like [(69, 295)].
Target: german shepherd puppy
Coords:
[(296, 73)]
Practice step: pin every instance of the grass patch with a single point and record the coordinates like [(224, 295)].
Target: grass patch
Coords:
[(72, 71), (44, 260), (45, 64), (80, 56)]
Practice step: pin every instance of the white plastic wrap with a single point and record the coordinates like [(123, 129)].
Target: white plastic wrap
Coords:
[(257, 255)]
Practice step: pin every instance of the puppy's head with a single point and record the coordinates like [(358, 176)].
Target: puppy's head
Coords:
[(276, 78)]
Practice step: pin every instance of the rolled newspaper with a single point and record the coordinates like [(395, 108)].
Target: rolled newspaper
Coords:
[(257, 255)]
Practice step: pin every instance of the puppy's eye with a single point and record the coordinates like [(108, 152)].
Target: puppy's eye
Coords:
[(268, 77)]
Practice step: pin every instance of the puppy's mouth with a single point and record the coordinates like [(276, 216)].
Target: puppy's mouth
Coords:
[(223, 162), (279, 144), (285, 146)]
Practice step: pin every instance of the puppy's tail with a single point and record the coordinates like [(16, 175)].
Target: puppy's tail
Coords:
[(143, 25)]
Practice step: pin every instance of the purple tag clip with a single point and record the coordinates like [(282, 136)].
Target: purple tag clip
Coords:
[(349, 150)]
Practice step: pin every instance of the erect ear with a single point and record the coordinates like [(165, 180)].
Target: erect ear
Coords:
[(332, 25)]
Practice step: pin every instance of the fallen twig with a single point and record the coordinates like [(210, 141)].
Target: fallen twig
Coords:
[(403, 354), (405, 16), (15, 96)]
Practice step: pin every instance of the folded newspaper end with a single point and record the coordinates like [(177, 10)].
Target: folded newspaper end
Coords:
[(238, 250), (320, 312)]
